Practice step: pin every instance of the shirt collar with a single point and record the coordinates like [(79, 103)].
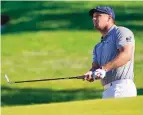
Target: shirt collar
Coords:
[(108, 33)]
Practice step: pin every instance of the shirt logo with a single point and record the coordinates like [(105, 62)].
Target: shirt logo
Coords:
[(128, 39)]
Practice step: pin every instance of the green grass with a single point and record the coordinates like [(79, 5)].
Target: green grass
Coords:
[(125, 106), (55, 39)]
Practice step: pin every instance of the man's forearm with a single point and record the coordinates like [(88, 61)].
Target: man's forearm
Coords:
[(119, 61), (94, 66), (92, 69)]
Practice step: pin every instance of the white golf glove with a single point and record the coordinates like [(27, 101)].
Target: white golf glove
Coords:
[(99, 73)]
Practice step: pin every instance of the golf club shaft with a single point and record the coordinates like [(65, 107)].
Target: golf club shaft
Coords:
[(50, 79)]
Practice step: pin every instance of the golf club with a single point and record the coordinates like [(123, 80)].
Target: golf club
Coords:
[(48, 79)]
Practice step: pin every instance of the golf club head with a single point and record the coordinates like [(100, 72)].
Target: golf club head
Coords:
[(7, 79)]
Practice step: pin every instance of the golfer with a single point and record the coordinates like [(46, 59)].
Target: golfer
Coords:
[(113, 57)]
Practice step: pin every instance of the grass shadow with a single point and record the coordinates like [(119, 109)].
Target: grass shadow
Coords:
[(49, 16), (26, 96), (140, 91)]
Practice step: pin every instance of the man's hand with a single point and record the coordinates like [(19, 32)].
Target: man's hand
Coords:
[(99, 74), (88, 76)]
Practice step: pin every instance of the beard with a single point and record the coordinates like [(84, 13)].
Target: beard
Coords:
[(96, 26), (103, 28)]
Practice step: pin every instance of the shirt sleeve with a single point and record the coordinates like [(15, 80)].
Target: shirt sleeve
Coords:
[(124, 37), (94, 55)]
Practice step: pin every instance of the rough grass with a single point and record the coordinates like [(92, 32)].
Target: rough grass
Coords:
[(55, 39)]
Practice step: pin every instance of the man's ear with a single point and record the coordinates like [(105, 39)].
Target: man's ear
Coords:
[(110, 17)]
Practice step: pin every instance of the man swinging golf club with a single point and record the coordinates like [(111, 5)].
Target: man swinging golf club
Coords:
[(113, 57)]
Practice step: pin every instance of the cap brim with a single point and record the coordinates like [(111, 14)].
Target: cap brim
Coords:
[(95, 10)]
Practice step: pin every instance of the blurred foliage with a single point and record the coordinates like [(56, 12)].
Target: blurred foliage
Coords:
[(39, 16)]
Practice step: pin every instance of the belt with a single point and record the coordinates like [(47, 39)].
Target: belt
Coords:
[(126, 81)]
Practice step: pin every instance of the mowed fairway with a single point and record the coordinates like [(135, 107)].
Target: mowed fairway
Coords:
[(56, 39), (125, 106)]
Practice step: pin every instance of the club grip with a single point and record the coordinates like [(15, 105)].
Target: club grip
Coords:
[(81, 77)]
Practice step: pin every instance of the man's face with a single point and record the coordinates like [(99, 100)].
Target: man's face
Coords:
[(100, 20)]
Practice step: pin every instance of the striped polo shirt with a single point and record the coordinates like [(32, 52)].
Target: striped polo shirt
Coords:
[(108, 49)]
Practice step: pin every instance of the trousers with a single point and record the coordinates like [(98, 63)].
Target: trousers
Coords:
[(119, 89)]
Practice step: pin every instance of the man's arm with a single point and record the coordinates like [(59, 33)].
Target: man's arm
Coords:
[(94, 66), (125, 54)]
